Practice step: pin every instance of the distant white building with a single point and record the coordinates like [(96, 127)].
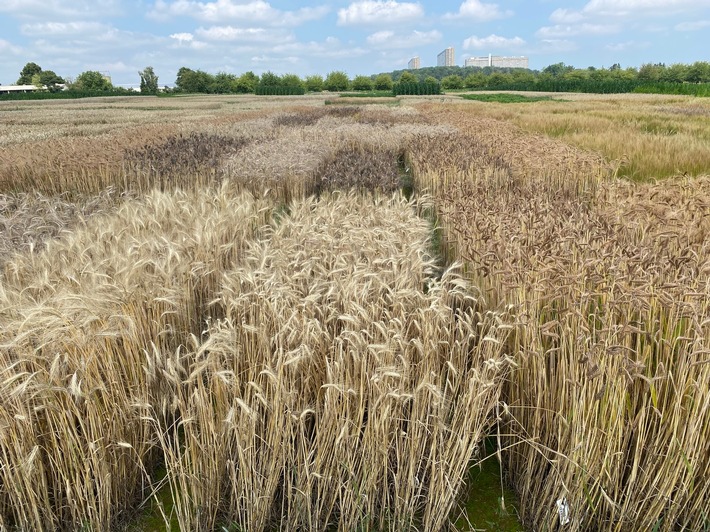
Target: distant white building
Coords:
[(497, 61), (414, 63), (13, 89), (446, 58)]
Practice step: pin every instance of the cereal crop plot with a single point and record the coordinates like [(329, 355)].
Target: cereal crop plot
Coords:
[(181, 160), (611, 286), (347, 395), (648, 136), (187, 327), (361, 169)]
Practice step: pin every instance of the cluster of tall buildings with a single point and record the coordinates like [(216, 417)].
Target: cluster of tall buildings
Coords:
[(446, 58)]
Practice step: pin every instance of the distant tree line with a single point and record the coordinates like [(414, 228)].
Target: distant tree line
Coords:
[(269, 83), (651, 77), (90, 83), (199, 81)]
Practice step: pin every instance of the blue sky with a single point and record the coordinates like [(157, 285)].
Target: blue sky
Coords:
[(359, 37)]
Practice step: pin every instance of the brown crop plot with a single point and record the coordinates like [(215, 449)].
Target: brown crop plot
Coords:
[(223, 311)]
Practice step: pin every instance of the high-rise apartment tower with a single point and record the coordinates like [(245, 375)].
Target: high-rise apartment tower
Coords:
[(446, 58)]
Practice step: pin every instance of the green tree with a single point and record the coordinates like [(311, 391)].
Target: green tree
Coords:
[(246, 83), (149, 81), (91, 80), (522, 75), (383, 82), (50, 79), (576, 75), (192, 81), (182, 76), (222, 83), (431, 80), (497, 79), (618, 73), (336, 80), (362, 83), (452, 82), (314, 83), (675, 73), (556, 70), (29, 70), (269, 79), (600, 74), (292, 80), (698, 72), (651, 72), (474, 81), (408, 77)]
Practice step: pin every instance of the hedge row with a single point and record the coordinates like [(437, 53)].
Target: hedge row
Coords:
[(606, 87), (67, 95), (279, 90), (416, 89)]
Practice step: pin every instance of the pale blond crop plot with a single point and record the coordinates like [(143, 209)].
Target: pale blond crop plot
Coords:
[(336, 392), (220, 308)]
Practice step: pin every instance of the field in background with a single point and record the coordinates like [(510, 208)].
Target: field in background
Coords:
[(650, 136), (199, 311)]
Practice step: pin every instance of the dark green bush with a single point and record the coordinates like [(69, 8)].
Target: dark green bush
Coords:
[(416, 89), (68, 94)]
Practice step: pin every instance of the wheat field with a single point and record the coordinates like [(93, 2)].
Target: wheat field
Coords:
[(225, 311)]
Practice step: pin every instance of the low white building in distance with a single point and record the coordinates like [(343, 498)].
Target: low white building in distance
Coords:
[(497, 61), (414, 63), (13, 89)]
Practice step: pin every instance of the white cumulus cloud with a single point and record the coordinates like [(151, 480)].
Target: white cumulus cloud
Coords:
[(182, 37), (556, 46), (60, 9), (627, 45), (573, 30), (382, 12), (230, 33), (693, 26), (254, 11), (493, 41), (331, 48), (388, 39), (566, 16), (627, 8), (479, 11), (64, 28), (187, 40), (642, 7), (7, 47)]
